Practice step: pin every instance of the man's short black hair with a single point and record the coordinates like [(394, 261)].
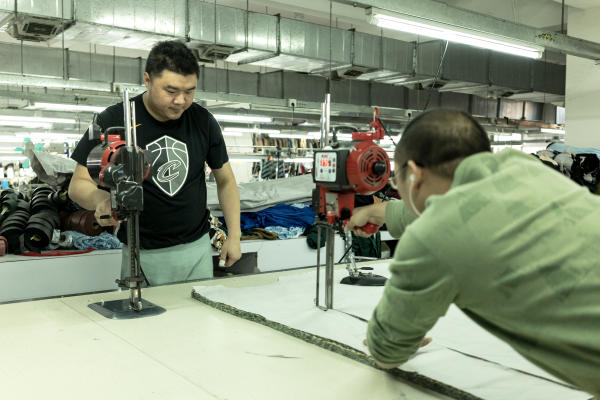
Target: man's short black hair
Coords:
[(174, 56), (439, 140)]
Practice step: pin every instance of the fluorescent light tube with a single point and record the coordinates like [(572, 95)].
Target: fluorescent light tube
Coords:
[(19, 118), (242, 118), (10, 139), (250, 130), (244, 160), (298, 160), (557, 131), (48, 137), (288, 136), (12, 158), (65, 107), (437, 30), (25, 124)]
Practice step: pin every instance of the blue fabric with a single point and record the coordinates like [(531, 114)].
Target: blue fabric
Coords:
[(286, 233), (104, 241), (282, 215), (561, 148)]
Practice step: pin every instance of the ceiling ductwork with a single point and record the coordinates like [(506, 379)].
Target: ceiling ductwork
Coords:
[(34, 29), (212, 52), (372, 69)]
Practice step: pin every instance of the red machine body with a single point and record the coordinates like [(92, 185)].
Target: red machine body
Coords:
[(357, 167), (109, 164), (106, 156)]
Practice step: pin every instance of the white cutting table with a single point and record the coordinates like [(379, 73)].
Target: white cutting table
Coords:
[(61, 349)]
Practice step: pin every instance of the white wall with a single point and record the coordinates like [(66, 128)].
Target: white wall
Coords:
[(583, 83)]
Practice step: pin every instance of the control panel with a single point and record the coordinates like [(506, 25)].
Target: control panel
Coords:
[(325, 166)]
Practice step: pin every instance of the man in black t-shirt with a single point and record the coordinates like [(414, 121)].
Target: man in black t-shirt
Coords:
[(180, 136)]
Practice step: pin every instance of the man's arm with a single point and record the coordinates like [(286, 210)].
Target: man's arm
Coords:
[(419, 292), (393, 213), (229, 199), (84, 191)]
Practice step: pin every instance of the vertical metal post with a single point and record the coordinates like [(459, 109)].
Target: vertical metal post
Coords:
[(135, 287), (133, 125), (127, 115), (322, 126), (318, 264), (327, 117), (329, 242)]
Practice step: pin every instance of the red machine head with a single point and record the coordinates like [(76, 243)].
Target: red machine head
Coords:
[(367, 168), (359, 167)]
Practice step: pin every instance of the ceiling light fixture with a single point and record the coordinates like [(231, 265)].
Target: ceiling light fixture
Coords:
[(298, 160), (556, 131), (242, 118), (65, 107), (234, 131), (289, 136), (438, 30), (12, 158), (19, 118), (25, 124)]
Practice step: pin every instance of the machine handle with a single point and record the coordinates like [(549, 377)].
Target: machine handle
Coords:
[(367, 228), (109, 216)]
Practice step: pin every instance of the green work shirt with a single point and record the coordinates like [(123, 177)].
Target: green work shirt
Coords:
[(514, 244)]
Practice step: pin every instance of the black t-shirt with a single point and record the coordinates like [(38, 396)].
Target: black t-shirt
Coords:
[(175, 191)]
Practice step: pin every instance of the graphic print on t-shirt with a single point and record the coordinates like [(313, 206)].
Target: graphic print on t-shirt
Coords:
[(169, 164)]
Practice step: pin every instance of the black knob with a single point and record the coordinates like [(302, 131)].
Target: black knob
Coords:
[(345, 213), (379, 168)]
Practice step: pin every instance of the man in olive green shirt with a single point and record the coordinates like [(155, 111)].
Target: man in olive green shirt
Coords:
[(510, 241)]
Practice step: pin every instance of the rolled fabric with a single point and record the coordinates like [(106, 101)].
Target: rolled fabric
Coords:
[(84, 221), (3, 245)]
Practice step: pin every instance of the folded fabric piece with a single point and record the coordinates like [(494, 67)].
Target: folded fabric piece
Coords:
[(565, 162), (104, 241), (560, 147), (216, 233), (286, 233), (258, 233), (279, 215), (255, 196)]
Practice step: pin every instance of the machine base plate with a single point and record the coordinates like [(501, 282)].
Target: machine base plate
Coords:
[(119, 309), (364, 280)]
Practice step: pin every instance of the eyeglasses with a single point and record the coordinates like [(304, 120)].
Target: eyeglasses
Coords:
[(393, 181)]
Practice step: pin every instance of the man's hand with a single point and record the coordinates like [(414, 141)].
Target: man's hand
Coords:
[(103, 209), (424, 343), (374, 214), (231, 251)]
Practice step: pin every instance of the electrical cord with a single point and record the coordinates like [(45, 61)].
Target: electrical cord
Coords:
[(437, 76), (386, 132)]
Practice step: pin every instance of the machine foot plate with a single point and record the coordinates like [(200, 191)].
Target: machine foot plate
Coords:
[(119, 309)]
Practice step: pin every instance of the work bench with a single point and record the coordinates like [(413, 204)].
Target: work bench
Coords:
[(24, 277), (60, 348)]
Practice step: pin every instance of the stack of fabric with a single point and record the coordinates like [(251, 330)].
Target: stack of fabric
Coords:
[(284, 220), (582, 165)]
